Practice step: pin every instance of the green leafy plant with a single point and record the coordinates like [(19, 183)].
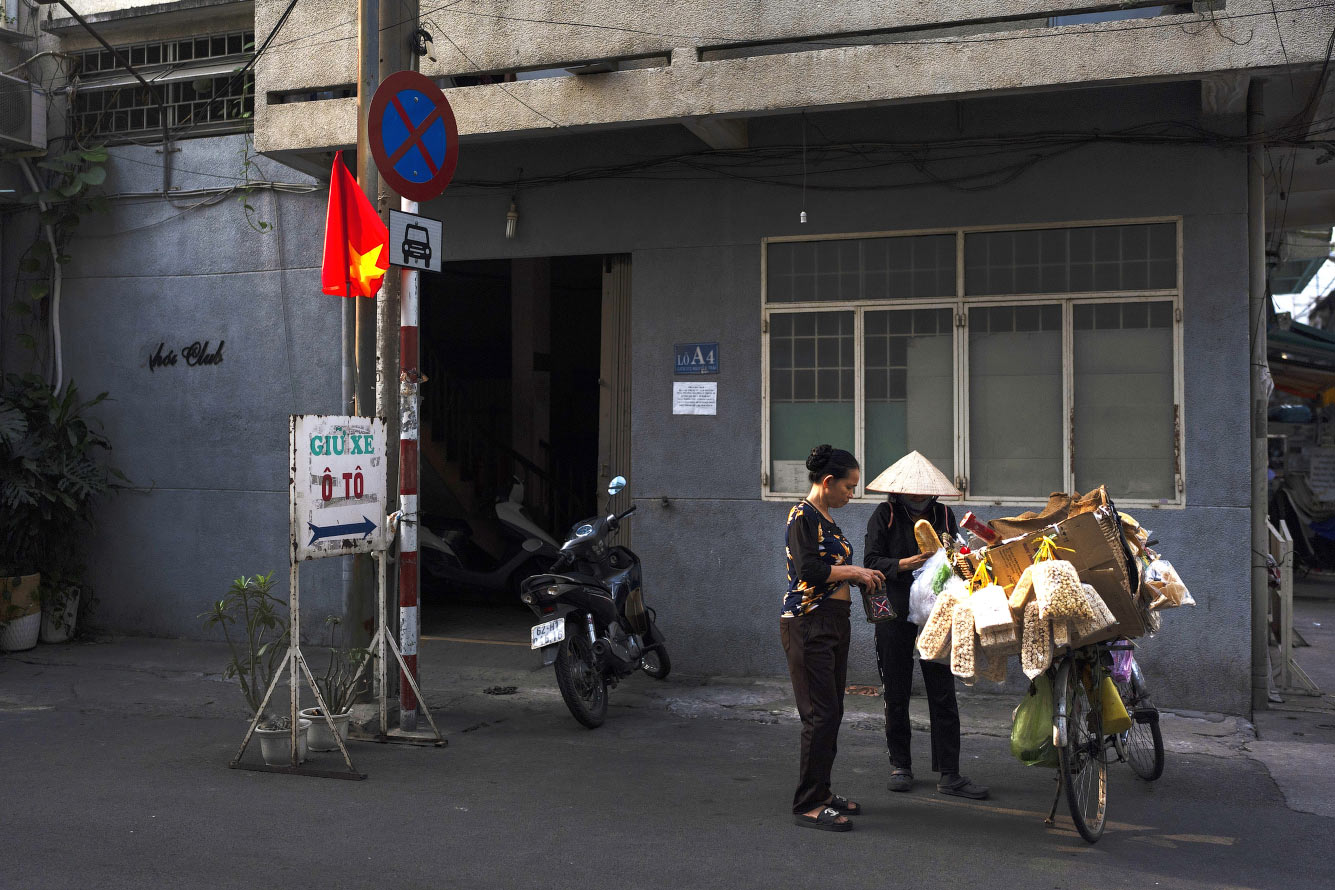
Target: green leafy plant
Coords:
[(71, 193), (255, 625), (52, 469), (342, 681)]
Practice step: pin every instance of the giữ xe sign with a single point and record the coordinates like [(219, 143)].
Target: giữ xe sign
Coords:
[(338, 485)]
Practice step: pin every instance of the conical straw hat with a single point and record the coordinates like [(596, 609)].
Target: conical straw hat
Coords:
[(914, 474)]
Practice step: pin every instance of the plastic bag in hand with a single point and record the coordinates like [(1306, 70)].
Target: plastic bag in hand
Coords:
[(928, 585)]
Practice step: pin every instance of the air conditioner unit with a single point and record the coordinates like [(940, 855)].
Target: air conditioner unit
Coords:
[(22, 114)]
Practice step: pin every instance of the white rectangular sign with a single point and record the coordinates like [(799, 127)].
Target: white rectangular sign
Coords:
[(415, 241), (338, 487), (694, 397)]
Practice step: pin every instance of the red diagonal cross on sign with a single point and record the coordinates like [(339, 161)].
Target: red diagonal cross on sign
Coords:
[(414, 139)]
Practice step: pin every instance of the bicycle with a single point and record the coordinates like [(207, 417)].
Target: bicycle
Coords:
[(1081, 742), (1141, 746)]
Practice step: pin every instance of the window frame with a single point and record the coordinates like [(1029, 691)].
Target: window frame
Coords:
[(959, 306)]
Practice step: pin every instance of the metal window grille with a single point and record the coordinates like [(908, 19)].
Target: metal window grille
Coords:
[(95, 62), (1071, 260), (908, 267), (812, 357)]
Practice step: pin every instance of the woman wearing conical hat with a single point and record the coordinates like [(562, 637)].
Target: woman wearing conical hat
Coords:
[(913, 485)]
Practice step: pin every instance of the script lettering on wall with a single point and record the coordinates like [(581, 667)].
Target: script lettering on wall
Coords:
[(193, 356)]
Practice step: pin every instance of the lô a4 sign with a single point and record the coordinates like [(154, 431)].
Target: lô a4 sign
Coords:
[(338, 485)]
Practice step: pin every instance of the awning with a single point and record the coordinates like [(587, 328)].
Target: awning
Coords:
[(1302, 361)]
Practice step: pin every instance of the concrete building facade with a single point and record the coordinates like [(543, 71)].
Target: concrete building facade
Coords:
[(1014, 240)]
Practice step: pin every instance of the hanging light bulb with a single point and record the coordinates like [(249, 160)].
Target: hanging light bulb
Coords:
[(803, 217), (511, 221)]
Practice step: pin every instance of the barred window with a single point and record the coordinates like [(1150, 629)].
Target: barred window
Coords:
[(200, 93), (1051, 364)]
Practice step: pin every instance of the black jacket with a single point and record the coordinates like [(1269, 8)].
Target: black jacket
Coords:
[(890, 539)]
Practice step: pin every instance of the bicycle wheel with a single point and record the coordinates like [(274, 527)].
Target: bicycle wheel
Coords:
[(1142, 744), (1084, 763)]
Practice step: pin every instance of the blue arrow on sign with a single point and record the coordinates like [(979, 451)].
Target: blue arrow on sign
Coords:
[(349, 530)]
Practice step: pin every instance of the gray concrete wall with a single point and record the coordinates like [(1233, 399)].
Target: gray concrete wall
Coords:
[(205, 446), (210, 443), (712, 555)]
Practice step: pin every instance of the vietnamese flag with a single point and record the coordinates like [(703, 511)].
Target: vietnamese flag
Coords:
[(356, 254)]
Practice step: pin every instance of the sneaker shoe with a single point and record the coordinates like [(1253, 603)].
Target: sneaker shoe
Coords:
[(901, 780)]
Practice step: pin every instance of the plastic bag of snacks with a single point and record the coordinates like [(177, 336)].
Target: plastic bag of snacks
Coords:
[(1022, 593), (1035, 642), (928, 584), (934, 640), (1001, 642), (1169, 591), (1058, 591), (1061, 633), (1122, 659), (962, 643)]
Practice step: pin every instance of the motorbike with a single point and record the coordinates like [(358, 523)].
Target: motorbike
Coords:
[(450, 557), (596, 629)]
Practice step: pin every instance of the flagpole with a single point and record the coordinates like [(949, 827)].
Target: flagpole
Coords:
[(349, 308)]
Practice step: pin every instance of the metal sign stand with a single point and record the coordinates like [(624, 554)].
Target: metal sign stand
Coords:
[(379, 641), (1293, 680), (292, 662)]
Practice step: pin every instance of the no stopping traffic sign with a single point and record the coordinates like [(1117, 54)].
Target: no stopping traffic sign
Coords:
[(413, 136)]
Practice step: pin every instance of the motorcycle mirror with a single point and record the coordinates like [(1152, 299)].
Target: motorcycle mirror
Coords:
[(617, 485), (532, 545)]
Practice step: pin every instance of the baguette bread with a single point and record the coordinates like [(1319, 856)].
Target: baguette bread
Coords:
[(926, 537)]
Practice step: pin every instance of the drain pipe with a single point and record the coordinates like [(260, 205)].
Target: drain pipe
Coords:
[(1259, 399), (56, 357)]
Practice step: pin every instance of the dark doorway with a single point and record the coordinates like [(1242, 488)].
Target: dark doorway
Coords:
[(511, 352)]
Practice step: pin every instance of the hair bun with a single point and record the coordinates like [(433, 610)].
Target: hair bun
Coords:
[(819, 457)]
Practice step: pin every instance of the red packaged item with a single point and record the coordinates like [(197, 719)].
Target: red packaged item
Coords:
[(979, 528)]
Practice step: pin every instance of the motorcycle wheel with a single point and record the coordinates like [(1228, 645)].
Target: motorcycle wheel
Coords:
[(582, 685), (656, 663)]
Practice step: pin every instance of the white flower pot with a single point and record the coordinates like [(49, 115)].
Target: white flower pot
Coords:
[(59, 631), (320, 737), (20, 633), (275, 744)]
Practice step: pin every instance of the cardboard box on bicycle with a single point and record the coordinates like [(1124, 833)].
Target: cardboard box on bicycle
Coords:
[(1090, 542)]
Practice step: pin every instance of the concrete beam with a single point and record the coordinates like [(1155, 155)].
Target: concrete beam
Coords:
[(720, 134), (509, 35), (1172, 48)]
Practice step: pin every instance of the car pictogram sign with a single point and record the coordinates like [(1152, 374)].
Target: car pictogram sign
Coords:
[(415, 241), (413, 136)]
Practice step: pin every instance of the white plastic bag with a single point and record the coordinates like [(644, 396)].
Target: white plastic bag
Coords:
[(1169, 591), (930, 581)]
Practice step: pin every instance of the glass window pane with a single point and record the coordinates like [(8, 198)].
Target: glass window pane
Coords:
[(1124, 403), (1078, 260), (910, 406), (812, 400), (1015, 406), (907, 267)]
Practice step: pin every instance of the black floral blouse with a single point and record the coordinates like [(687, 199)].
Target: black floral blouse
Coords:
[(814, 546)]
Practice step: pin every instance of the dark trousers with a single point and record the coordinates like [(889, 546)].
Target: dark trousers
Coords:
[(894, 659), (817, 648)]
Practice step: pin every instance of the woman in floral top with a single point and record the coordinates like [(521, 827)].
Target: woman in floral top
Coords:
[(814, 629)]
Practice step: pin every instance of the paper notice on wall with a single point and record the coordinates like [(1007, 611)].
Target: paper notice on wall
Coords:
[(1321, 476), (694, 398)]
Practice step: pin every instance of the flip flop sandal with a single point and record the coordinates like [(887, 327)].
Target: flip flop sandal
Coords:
[(825, 820), (845, 806)]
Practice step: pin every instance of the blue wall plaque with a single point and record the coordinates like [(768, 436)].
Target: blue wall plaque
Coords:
[(696, 358)]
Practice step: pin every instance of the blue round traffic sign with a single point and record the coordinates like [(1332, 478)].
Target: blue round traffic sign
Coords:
[(413, 135)]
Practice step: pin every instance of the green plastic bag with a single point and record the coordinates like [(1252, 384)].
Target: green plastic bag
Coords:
[(1031, 731)]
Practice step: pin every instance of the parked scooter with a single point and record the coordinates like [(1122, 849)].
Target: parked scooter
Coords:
[(450, 557), (596, 628)]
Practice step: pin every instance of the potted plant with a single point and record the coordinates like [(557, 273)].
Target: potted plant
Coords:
[(257, 648), (340, 685), (50, 474)]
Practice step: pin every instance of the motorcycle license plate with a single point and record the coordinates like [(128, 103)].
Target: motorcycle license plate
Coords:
[(551, 632)]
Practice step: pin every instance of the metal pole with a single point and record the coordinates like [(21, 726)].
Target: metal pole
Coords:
[(359, 312), (408, 469), (1259, 401)]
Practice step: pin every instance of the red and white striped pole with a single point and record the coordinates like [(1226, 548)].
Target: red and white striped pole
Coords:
[(408, 469)]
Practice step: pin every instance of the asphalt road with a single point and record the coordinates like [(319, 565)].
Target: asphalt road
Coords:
[(109, 781)]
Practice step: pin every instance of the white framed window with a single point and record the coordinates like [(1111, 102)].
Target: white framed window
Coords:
[(1021, 360)]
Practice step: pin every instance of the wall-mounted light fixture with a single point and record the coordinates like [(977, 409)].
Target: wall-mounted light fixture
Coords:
[(511, 221)]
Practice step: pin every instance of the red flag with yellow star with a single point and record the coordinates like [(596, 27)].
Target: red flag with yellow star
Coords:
[(356, 243)]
